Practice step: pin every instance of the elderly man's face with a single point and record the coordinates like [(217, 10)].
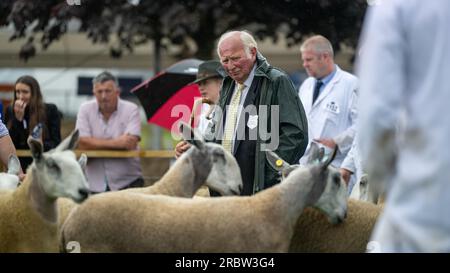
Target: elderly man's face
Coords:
[(107, 95), (234, 59)]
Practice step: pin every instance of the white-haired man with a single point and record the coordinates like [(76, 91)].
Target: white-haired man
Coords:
[(256, 96)]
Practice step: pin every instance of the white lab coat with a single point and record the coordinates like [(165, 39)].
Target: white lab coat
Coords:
[(333, 114), (352, 162), (404, 65)]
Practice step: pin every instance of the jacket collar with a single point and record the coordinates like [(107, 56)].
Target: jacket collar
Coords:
[(262, 66)]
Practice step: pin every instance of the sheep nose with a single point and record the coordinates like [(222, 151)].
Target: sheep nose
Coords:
[(341, 219), (236, 191), (84, 193)]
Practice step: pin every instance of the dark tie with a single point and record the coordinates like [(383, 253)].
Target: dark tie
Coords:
[(317, 90)]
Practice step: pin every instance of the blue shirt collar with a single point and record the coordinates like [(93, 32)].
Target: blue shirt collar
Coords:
[(328, 78)]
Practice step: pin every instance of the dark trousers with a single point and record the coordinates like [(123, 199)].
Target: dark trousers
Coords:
[(137, 183)]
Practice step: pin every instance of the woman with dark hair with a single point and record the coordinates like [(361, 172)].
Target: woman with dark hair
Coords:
[(26, 111)]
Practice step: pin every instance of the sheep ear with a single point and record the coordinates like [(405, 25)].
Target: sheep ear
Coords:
[(36, 148), (279, 164), (13, 165), (285, 173), (191, 136), (37, 131), (321, 154), (70, 142), (330, 158), (316, 153), (275, 161), (83, 161)]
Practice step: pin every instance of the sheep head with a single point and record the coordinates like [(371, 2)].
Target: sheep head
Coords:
[(57, 171), (224, 174), (333, 201), (332, 195)]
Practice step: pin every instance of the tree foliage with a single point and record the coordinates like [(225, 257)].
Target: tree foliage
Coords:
[(192, 24)]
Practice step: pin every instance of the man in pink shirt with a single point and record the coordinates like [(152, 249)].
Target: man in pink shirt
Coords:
[(109, 123)]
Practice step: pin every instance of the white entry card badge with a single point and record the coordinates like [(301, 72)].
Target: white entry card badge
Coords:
[(332, 107), (252, 121)]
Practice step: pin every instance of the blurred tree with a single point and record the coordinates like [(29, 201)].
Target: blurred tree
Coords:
[(194, 25), (338, 20)]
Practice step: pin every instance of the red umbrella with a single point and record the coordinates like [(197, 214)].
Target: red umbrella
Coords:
[(160, 94)]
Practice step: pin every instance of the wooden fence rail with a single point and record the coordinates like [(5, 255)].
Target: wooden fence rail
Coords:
[(115, 154)]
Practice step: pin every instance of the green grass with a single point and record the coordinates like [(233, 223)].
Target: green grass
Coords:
[(166, 140)]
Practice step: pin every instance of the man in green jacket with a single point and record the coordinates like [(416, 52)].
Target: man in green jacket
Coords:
[(258, 109)]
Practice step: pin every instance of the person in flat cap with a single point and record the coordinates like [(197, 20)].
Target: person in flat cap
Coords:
[(209, 79)]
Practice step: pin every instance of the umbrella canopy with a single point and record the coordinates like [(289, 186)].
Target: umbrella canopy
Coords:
[(158, 95)]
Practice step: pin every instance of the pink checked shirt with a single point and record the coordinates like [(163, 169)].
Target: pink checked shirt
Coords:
[(114, 172)]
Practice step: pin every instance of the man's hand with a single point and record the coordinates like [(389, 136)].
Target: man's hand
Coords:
[(127, 142), (21, 177), (181, 147), (326, 141), (345, 175), (19, 109)]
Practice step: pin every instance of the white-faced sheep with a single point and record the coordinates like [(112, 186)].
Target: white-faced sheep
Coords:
[(363, 191), (28, 215), (314, 234), (203, 164), (10, 180), (359, 191), (156, 223)]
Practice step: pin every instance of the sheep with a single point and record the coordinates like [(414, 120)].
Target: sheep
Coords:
[(263, 222), (312, 232), (376, 192), (204, 163), (28, 215), (10, 180), (365, 192)]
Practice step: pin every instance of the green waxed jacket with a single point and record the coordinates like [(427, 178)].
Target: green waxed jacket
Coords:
[(272, 87)]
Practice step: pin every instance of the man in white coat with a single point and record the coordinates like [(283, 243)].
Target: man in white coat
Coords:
[(404, 66), (329, 98)]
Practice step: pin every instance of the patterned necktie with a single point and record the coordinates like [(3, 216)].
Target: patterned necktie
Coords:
[(317, 90), (231, 118)]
